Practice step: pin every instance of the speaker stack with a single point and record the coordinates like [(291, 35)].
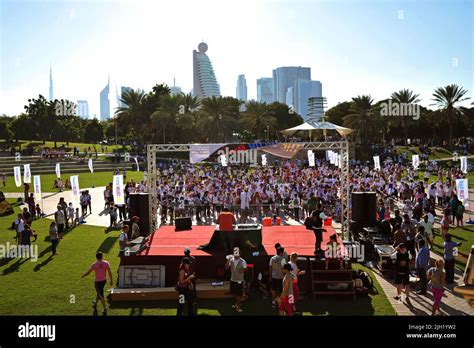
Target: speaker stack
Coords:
[(183, 224), (364, 210), (139, 207)]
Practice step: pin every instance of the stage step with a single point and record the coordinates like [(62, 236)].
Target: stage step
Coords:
[(204, 291)]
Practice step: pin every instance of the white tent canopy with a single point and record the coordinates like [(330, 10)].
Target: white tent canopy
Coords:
[(314, 125)]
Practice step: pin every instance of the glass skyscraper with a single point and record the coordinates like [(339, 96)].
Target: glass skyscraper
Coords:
[(241, 88), (205, 82), (265, 90), (302, 90), (123, 89), (285, 77), (82, 109), (104, 102)]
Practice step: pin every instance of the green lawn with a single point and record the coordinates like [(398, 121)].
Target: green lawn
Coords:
[(86, 180), (460, 234), (53, 285), (37, 145), (436, 153)]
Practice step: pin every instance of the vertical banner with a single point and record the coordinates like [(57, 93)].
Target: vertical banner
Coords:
[(91, 167), (118, 190), (376, 162), (335, 156), (223, 160), (58, 170), (37, 189), (415, 161), (75, 193), (264, 160), (463, 161), (136, 161), (462, 191), (311, 158), (17, 175), (26, 173), (331, 157)]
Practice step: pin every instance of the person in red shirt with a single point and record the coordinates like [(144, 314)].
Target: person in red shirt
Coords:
[(226, 220), (101, 268)]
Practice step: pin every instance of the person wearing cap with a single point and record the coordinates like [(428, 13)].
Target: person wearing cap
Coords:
[(276, 273), (237, 267), (287, 298), (185, 287), (285, 254), (135, 228), (401, 257)]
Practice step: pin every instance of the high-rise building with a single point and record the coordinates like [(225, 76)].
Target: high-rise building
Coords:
[(175, 90), (241, 88), (82, 109), (123, 89), (104, 102), (285, 77), (50, 84), (265, 90), (302, 90), (205, 82)]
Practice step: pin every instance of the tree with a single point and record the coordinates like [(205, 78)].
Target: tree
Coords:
[(217, 118), (405, 96), (130, 116), (336, 113), (257, 118), (94, 131), (285, 117), (447, 99), (361, 118)]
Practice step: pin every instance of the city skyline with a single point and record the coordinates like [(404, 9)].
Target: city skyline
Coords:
[(361, 47)]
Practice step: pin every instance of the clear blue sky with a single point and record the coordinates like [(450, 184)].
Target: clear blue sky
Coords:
[(352, 46)]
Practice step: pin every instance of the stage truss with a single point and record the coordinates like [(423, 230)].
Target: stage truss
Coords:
[(341, 146)]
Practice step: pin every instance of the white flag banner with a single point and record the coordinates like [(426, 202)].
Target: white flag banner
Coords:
[(223, 160), (118, 190), (462, 191), (37, 187), (339, 160), (327, 154), (463, 161), (311, 158), (415, 161), (264, 160), (136, 161), (376, 162), (91, 167), (331, 157), (75, 191), (27, 173), (17, 175), (335, 155), (58, 170)]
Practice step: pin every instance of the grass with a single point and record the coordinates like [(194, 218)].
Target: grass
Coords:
[(86, 180), (53, 285), (37, 145), (437, 153), (459, 234)]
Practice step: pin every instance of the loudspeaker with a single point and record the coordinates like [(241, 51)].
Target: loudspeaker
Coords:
[(139, 207), (364, 208), (183, 224)]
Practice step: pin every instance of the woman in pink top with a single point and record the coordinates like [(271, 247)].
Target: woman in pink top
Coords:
[(101, 268)]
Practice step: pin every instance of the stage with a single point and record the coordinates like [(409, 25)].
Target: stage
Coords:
[(166, 247)]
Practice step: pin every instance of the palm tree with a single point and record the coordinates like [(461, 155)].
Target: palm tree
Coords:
[(215, 121), (257, 118), (446, 99), (165, 117), (405, 96), (130, 116), (361, 117)]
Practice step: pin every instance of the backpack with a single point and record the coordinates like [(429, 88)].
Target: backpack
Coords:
[(308, 222), (365, 277), (460, 210)]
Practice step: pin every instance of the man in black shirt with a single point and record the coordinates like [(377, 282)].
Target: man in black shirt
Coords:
[(401, 259), (318, 218)]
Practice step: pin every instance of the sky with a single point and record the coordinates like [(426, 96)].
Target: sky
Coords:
[(353, 47)]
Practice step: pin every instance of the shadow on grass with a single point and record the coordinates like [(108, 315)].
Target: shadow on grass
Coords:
[(42, 264), (15, 266), (107, 244)]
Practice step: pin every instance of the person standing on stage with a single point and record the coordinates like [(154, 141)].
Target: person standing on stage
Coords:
[(318, 218), (101, 269), (226, 220), (244, 205), (237, 267), (185, 287), (276, 274)]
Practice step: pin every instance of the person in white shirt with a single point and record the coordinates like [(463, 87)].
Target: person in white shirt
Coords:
[(244, 205), (19, 226), (70, 213), (428, 226)]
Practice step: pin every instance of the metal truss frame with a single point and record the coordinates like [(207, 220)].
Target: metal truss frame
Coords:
[(342, 146)]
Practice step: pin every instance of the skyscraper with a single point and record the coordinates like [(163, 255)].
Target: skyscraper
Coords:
[(123, 89), (285, 77), (175, 90), (302, 90), (205, 83), (104, 102), (50, 84), (82, 109), (241, 88), (265, 90)]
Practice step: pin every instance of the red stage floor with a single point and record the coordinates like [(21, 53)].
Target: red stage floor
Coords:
[(166, 242)]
